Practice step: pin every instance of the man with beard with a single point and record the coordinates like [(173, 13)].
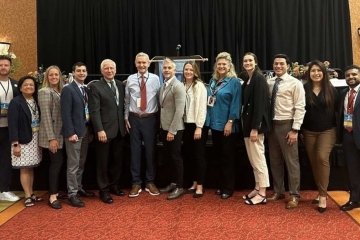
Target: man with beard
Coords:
[(8, 90), (349, 132)]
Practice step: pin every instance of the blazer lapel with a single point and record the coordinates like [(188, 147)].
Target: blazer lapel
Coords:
[(25, 107), (77, 90)]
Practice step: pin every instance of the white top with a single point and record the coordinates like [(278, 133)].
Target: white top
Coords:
[(195, 105), (6, 95)]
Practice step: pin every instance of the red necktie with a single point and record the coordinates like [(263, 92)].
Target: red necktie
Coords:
[(143, 94), (350, 106)]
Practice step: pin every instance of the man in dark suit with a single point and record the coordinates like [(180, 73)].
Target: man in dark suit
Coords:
[(349, 133), (75, 118), (106, 104), (8, 90)]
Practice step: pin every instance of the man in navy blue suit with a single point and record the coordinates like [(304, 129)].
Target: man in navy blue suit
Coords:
[(75, 118), (349, 132)]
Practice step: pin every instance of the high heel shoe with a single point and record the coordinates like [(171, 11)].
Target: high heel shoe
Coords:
[(251, 194), (251, 201)]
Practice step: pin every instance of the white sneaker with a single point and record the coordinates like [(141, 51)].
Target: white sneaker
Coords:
[(9, 196)]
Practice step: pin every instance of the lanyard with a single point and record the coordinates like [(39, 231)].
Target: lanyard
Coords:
[(6, 91), (33, 109), (215, 87)]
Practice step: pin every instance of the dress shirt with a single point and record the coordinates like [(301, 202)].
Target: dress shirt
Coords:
[(132, 93), (347, 97), (6, 94), (290, 100), (195, 104)]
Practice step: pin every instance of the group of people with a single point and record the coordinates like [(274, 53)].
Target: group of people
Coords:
[(187, 110)]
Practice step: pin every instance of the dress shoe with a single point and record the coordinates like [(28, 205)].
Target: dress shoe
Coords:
[(252, 200), (349, 206), (276, 196), (135, 190), (116, 191), (152, 189), (106, 197), (190, 191), (76, 202), (84, 193), (168, 188), (293, 203), (55, 204), (176, 193), (225, 195)]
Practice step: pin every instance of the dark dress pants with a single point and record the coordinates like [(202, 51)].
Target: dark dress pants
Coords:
[(225, 150), (56, 162), (109, 160), (5, 160), (142, 130), (352, 158), (173, 149)]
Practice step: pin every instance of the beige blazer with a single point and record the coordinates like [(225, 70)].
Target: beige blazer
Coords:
[(172, 105), (50, 122)]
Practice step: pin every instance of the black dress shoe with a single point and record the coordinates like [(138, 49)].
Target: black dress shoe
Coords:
[(106, 197), (55, 204), (84, 193), (225, 195), (176, 193), (349, 206), (76, 202), (168, 188), (116, 191)]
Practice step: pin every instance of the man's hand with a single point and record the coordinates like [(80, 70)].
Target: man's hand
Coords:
[(102, 136), (127, 125)]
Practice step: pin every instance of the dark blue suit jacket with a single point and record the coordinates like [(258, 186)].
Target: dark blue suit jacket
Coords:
[(356, 118), (72, 111), (19, 118)]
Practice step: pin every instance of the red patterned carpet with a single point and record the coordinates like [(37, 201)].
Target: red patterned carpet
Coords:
[(148, 217)]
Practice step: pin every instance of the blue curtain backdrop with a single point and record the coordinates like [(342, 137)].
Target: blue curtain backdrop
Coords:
[(91, 30)]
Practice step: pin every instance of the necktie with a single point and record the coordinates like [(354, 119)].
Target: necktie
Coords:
[(350, 106), (113, 87), (83, 91), (143, 101), (273, 96)]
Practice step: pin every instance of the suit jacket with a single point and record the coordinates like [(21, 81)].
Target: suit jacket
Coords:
[(172, 103), (355, 120), (50, 124), (105, 114), (72, 111), (19, 118), (256, 109)]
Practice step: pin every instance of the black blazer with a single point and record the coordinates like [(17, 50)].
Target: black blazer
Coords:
[(104, 113), (356, 118), (72, 111), (19, 118), (256, 108)]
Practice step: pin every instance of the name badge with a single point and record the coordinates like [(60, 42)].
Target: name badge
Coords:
[(348, 120), (4, 109), (138, 102), (211, 101), (87, 114), (35, 124)]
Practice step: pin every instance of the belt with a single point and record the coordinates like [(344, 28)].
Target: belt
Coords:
[(283, 121), (142, 115)]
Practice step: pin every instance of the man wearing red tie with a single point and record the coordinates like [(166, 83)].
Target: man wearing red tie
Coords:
[(349, 131), (141, 107)]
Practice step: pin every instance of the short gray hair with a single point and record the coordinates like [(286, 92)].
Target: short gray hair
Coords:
[(106, 61)]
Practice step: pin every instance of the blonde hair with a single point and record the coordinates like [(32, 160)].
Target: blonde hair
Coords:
[(227, 57), (46, 82)]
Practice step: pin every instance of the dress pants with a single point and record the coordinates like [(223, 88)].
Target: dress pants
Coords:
[(56, 162), (76, 157), (173, 149), (109, 162), (281, 152), (5, 160), (352, 158), (225, 150), (194, 152), (142, 130), (318, 146), (256, 154)]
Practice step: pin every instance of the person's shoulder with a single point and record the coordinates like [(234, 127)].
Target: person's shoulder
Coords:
[(153, 75)]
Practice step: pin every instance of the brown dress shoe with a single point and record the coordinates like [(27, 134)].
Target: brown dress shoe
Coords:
[(135, 190), (152, 189), (293, 203), (276, 196)]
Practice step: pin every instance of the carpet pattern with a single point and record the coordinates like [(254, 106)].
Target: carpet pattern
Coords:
[(149, 217)]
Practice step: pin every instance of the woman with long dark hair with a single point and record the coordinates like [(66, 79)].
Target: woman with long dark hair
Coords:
[(319, 126)]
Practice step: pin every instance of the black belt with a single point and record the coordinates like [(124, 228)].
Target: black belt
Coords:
[(141, 115), (283, 121)]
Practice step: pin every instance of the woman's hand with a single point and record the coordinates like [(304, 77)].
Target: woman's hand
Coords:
[(17, 150), (254, 135), (228, 129), (53, 145), (197, 134)]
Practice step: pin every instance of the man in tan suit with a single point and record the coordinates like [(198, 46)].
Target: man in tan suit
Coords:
[(172, 103)]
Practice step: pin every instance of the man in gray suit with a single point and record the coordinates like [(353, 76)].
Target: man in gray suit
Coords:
[(172, 102)]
